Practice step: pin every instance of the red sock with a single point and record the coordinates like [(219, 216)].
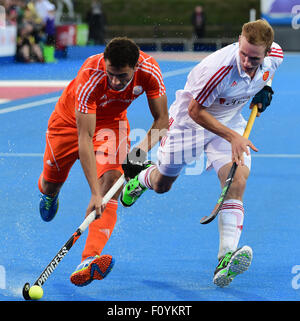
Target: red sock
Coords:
[(100, 230)]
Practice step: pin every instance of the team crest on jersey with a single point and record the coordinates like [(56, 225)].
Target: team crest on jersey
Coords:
[(266, 76), (222, 101), (137, 90), (234, 84)]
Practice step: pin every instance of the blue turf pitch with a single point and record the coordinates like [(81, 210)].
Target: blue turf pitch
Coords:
[(161, 250)]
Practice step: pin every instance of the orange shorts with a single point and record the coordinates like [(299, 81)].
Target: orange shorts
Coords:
[(111, 145)]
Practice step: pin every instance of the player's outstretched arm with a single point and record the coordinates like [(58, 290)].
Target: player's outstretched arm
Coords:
[(135, 160), (86, 124), (159, 110)]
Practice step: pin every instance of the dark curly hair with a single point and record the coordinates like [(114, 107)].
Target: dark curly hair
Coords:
[(121, 52)]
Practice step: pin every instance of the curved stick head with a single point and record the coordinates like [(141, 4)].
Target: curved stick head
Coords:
[(207, 219), (25, 292)]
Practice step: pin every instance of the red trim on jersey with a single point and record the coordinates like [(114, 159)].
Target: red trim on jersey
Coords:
[(147, 178), (276, 56), (276, 49), (276, 52), (163, 141), (213, 83), (208, 83)]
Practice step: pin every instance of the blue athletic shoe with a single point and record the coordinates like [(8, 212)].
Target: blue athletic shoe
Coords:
[(93, 268), (48, 207)]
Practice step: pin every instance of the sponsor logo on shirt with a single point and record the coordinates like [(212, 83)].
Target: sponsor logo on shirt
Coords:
[(234, 101), (240, 100)]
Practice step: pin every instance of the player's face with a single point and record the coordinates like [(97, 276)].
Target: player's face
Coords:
[(251, 56), (118, 78)]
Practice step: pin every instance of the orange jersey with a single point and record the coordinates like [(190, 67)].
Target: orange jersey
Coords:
[(89, 92)]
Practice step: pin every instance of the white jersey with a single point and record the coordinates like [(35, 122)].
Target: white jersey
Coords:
[(219, 83)]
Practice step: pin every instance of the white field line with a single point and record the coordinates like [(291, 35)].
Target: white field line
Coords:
[(3, 100), (275, 155), (29, 105), (58, 84), (21, 155), (33, 83), (177, 72)]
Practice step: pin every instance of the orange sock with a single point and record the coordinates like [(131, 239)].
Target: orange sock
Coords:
[(100, 230), (40, 184)]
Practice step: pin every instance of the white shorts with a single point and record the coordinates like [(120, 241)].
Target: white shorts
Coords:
[(183, 146)]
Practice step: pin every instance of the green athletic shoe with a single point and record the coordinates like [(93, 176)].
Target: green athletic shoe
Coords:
[(231, 265), (131, 192)]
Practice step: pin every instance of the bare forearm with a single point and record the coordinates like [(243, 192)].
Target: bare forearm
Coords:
[(86, 124), (154, 135), (159, 110), (209, 122)]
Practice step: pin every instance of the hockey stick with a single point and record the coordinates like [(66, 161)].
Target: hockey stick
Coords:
[(67, 246), (214, 213)]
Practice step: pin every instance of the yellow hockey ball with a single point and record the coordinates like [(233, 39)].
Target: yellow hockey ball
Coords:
[(36, 292)]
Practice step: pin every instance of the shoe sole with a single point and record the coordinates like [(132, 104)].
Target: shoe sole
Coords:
[(238, 264), (98, 269)]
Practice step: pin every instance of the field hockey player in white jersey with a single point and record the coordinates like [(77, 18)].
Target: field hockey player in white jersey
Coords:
[(206, 117)]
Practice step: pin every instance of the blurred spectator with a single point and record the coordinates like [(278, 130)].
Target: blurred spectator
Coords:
[(28, 49), (21, 7), (30, 28), (96, 22), (11, 12), (50, 26), (32, 17), (31, 14), (60, 7), (2, 16), (42, 8), (198, 22)]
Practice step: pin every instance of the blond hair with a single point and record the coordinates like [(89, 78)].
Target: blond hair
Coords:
[(259, 33)]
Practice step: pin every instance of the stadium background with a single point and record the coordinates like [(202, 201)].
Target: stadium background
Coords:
[(170, 18), (157, 25)]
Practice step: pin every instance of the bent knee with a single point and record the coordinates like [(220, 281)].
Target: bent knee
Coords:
[(162, 188), (161, 183), (239, 182), (237, 188)]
